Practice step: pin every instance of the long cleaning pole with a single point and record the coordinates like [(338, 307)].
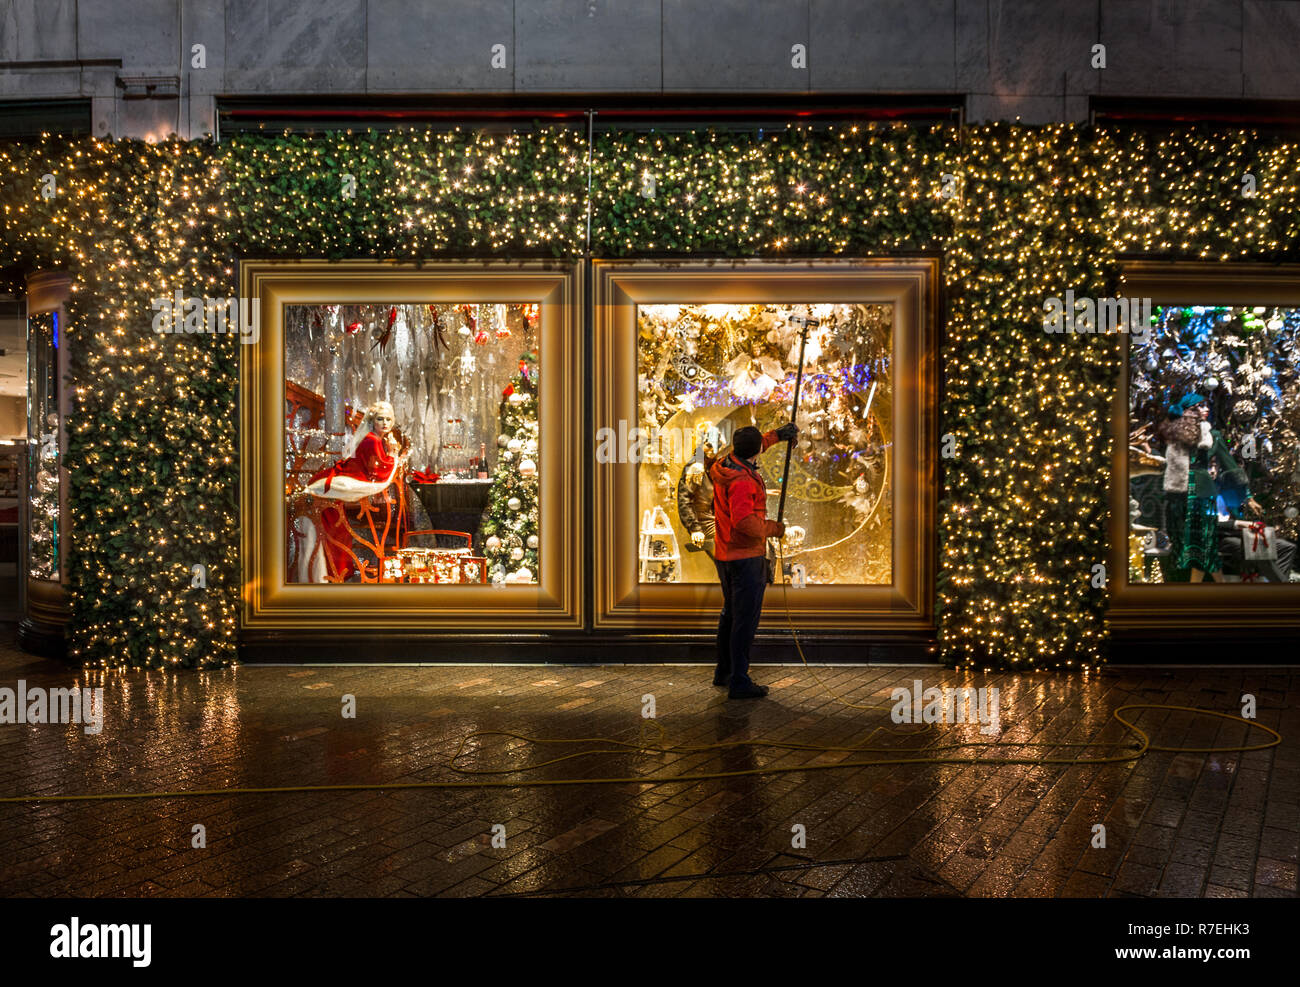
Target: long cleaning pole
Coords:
[(794, 411)]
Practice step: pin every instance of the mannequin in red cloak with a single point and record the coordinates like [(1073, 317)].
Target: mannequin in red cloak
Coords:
[(369, 487)]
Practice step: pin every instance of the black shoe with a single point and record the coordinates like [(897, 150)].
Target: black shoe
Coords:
[(750, 690)]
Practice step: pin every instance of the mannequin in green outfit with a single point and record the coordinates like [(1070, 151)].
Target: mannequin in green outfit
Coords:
[(1191, 517)]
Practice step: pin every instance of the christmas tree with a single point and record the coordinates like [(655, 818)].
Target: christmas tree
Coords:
[(509, 528)]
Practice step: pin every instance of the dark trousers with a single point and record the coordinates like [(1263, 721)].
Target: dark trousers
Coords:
[(1276, 570), (743, 583)]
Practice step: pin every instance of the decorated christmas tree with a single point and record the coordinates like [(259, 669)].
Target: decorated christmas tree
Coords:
[(509, 527)]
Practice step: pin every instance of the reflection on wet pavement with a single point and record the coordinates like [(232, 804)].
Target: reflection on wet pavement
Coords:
[(1175, 824)]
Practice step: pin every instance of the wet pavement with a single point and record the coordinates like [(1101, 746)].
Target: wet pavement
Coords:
[(1175, 824)]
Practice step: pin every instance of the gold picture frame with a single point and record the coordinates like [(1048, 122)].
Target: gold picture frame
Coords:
[(271, 603), (911, 286), (1144, 610)]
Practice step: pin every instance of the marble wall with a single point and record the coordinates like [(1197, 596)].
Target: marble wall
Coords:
[(1012, 58)]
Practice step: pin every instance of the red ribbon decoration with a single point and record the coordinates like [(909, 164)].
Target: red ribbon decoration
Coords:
[(1257, 529), (381, 339)]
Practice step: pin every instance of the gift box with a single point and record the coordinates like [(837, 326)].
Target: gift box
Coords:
[(1259, 542), (440, 565)]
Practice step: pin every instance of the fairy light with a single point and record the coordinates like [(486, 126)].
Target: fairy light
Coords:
[(152, 440)]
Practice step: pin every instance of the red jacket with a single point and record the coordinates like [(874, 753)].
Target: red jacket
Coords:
[(740, 508)]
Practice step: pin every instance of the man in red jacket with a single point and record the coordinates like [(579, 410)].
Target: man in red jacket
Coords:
[(740, 553)]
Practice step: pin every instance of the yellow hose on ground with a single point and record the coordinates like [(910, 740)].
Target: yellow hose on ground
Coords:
[(1133, 752)]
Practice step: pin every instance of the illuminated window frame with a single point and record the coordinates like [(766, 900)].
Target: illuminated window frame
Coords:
[(1155, 609), (911, 287), (269, 601)]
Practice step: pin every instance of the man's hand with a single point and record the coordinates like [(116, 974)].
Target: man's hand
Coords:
[(787, 432), (697, 538), (1254, 507), (780, 529)]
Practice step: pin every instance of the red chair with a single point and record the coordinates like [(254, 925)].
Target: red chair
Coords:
[(469, 539)]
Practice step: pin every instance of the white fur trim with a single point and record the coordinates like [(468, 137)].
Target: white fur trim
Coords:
[(349, 488), (1177, 467)]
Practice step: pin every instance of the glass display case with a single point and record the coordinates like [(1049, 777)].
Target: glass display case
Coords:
[(43, 459), (44, 513)]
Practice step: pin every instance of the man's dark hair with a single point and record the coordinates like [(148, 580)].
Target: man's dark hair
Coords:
[(747, 442)]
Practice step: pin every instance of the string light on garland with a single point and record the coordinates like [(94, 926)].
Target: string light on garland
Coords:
[(152, 441)]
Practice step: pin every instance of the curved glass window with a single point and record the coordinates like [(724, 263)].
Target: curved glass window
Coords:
[(43, 528)]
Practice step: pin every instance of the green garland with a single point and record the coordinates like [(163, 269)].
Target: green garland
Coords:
[(1019, 214)]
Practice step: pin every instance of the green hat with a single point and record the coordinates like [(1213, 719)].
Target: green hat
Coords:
[(1181, 407)]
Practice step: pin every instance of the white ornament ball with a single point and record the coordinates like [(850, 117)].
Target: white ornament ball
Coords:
[(527, 468), (1266, 371), (517, 398), (516, 553), (514, 445), (514, 503), (532, 541), (524, 575), (493, 543), (1292, 512), (503, 441), (1211, 383)]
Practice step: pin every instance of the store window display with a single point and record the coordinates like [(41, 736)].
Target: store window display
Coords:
[(411, 443), (707, 370), (1214, 477), (44, 514)]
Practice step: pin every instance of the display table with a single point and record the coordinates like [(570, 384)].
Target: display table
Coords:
[(451, 496), (457, 504)]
